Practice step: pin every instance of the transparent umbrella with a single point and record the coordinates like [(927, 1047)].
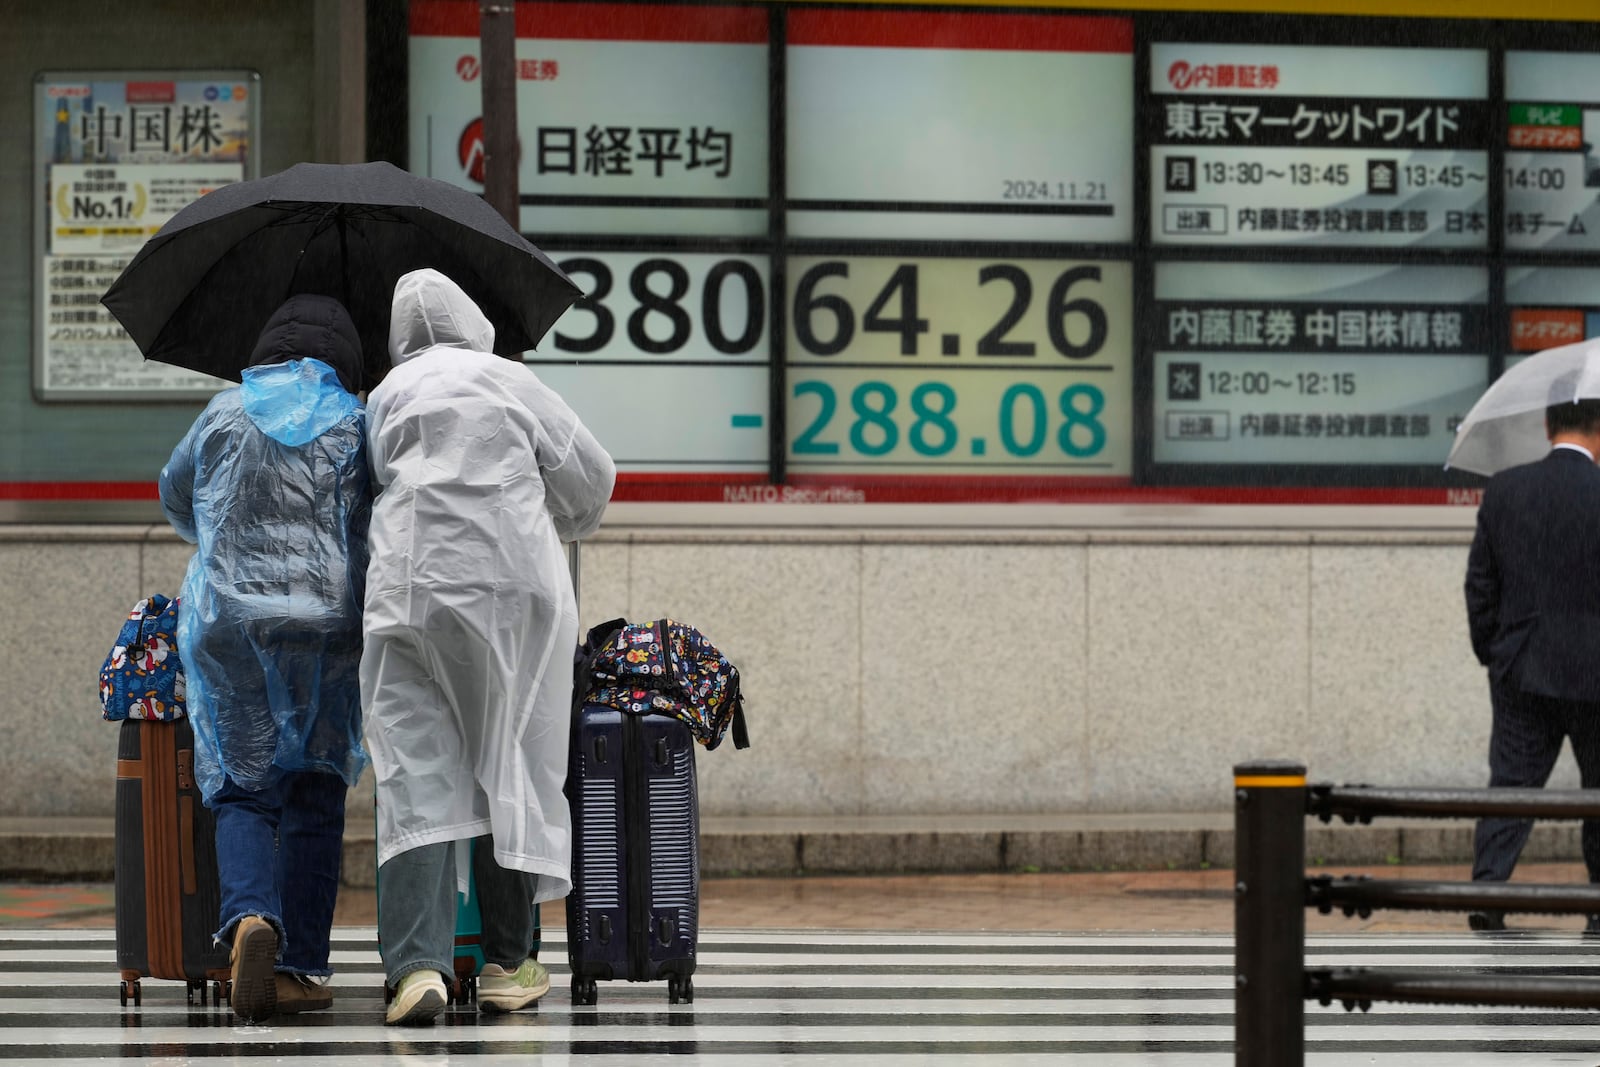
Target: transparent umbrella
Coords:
[(1505, 428)]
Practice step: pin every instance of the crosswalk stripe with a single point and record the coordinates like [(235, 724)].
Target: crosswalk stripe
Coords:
[(847, 999)]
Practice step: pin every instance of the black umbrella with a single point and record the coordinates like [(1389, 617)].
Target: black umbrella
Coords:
[(200, 291)]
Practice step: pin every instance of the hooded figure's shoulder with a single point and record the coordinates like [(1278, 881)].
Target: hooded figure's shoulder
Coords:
[(224, 405), (445, 370)]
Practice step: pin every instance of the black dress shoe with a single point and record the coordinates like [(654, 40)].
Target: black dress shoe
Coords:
[(1490, 921)]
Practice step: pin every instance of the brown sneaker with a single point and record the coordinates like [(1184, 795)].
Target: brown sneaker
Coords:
[(255, 950), (297, 993)]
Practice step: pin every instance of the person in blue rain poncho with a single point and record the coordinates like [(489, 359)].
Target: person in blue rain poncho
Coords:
[(482, 472), (271, 485)]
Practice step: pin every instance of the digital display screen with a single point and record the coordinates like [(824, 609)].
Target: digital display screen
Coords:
[(959, 365), (667, 358), (877, 253), (929, 125), (633, 119), (1552, 160), (1318, 146), (1315, 363), (1550, 307)]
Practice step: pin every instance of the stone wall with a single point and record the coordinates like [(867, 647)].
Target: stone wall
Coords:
[(891, 673)]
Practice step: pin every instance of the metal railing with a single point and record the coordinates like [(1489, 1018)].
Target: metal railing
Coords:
[(1272, 892)]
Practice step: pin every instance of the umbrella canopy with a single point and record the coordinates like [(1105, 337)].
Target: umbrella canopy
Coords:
[(1505, 428), (200, 291)]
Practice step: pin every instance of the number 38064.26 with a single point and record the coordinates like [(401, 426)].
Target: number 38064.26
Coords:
[(825, 323)]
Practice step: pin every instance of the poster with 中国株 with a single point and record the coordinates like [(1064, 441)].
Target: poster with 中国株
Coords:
[(1303, 146), (1315, 364), (117, 157)]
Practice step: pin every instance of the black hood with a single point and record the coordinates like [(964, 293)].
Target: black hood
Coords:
[(308, 325)]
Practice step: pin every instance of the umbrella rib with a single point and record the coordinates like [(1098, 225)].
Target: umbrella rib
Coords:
[(292, 212)]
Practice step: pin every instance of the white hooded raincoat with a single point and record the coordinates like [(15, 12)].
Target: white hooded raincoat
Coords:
[(471, 622)]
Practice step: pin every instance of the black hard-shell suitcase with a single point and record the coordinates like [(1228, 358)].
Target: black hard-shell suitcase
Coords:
[(167, 891), (634, 909)]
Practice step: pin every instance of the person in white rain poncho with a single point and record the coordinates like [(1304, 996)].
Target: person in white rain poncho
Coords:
[(471, 623)]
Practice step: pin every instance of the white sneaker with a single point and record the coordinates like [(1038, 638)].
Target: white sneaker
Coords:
[(418, 998), (503, 990)]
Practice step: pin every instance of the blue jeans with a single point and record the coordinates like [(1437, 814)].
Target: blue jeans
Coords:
[(278, 854), (417, 910)]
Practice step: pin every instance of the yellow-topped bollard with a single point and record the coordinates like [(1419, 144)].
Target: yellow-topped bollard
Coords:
[(1269, 913)]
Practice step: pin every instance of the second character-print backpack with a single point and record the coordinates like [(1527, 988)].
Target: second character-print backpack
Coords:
[(662, 668)]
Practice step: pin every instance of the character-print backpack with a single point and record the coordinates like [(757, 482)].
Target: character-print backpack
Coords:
[(662, 668), (142, 678)]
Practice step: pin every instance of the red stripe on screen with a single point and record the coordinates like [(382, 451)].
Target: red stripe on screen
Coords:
[(600, 22), (959, 30)]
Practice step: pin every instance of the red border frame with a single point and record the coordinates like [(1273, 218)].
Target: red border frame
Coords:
[(702, 24), (686, 488), (954, 30)]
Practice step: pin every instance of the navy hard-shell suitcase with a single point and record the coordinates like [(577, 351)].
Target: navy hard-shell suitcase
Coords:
[(634, 909), (167, 892)]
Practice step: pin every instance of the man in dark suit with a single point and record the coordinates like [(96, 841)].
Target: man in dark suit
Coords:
[(1533, 607)]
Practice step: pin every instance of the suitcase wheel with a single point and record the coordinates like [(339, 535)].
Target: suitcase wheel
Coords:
[(130, 989), (221, 994), (585, 991), (191, 988), (680, 989)]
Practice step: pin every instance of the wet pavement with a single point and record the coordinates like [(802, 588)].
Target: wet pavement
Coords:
[(1102, 969), (1094, 902)]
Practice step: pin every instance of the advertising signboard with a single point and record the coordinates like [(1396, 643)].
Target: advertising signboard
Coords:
[(117, 155)]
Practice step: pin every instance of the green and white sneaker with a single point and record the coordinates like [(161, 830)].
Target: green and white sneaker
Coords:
[(503, 990), (419, 997)]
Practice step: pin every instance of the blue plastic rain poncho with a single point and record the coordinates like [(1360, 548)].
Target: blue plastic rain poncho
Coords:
[(271, 484), (471, 618)]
